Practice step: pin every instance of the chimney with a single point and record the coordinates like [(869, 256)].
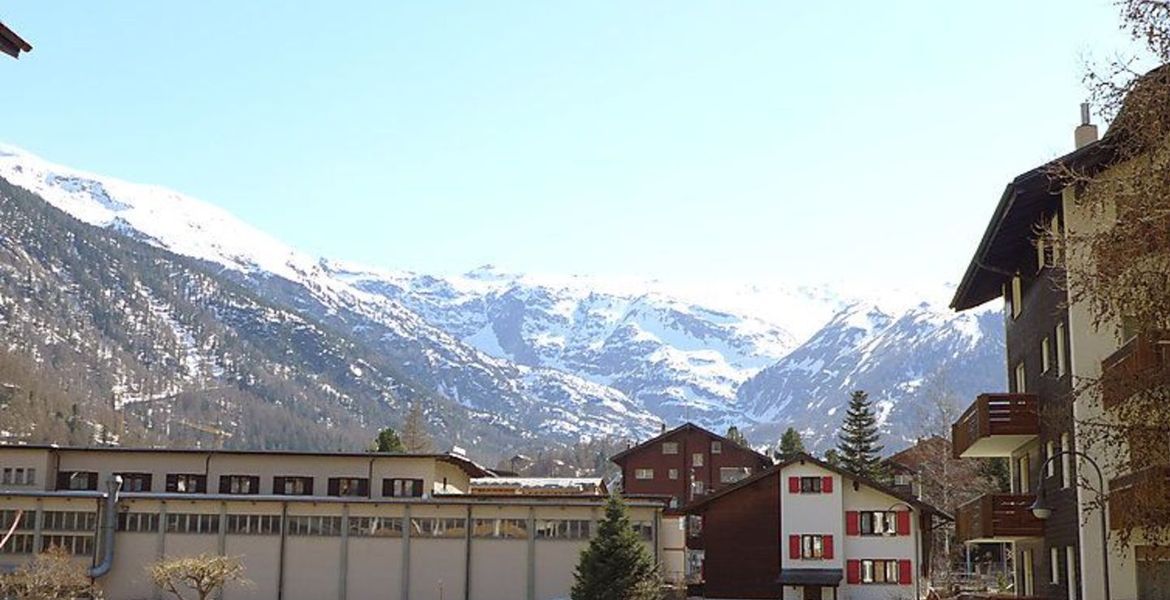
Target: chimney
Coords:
[(1086, 132)]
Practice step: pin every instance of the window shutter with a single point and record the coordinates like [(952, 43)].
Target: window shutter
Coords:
[(794, 546), (905, 573), (903, 522), (418, 488), (387, 488), (828, 547), (363, 487), (853, 571), (827, 485), (254, 487), (309, 486), (794, 485), (334, 486), (852, 523), (225, 484), (172, 482), (278, 485), (201, 484)]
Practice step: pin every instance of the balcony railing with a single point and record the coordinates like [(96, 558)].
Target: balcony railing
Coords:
[(1140, 497), (995, 425), (1134, 367), (998, 517)]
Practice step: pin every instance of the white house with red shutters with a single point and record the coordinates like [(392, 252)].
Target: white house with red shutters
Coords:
[(807, 530)]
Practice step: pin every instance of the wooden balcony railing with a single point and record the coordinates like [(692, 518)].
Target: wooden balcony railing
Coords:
[(995, 414), (1140, 497), (998, 516), (1138, 364)]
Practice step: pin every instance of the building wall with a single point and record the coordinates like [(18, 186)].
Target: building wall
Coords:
[(743, 545)]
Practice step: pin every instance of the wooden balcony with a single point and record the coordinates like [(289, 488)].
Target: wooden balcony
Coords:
[(1001, 517), (1140, 497), (1138, 364), (996, 425)]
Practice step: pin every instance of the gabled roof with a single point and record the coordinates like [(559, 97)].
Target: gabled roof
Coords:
[(688, 426), (803, 458), (12, 44)]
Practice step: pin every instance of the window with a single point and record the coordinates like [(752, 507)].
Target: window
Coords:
[(509, 529), (673, 474), (879, 571), (903, 479), (1065, 462), (375, 526), (19, 543), (292, 486), (1026, 571), (810, 485), (1045, 355), (644, 529), (69, 520), (1070, 569), (73, 544), (570, 529), (438, 527), (314, 525), (670, 447), (1020, 379), (1061, 359), (186, 483), (136, 522), (349, 486), (253, 524), (77, 480), (694, 526), (698, 488), (643, 473), (1050, 451), (136, 482), (1054, 565), (697, 459), (716, 447), (878, 523), (812, 547), (192, 523), (239, 484), (1017, 296), (18, 476), (733, 474), (402, 488), (1024, 472)]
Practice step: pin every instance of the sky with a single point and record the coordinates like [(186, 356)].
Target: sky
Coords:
[(756, 141)]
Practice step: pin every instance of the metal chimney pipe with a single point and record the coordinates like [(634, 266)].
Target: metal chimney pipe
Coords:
[(1086, 132), (113, 486)]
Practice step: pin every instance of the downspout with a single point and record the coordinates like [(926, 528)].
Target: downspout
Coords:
[(370, 480), (113, 486)]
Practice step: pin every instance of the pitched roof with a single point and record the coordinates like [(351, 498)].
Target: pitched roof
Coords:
[(688, 426), (804, 457), (12, 44)]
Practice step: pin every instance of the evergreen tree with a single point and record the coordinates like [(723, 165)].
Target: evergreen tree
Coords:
[(616, 565), (415, 438), (833, 457), (791, 444), (734, 435), (858, 440), (388, 441)]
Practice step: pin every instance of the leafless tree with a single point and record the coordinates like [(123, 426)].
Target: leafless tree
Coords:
[(197, 577), (51, 575)]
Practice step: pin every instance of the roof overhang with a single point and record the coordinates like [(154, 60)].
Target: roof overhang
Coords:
[(12, 44), (822, 577)]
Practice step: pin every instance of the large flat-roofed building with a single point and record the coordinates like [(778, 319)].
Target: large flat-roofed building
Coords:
[(305, 525)]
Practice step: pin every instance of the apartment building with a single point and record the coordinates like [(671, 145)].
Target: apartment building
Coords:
[(1052, 344), (806, 530), (306, 525)]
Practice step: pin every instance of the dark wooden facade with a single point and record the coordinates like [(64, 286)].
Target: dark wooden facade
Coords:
[(744, 539)]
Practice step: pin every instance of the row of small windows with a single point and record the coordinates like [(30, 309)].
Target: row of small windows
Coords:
[(25, 543), (726, 474), (54, 520), (18, 476), (191, 483), (1052, 355), (697, 457)]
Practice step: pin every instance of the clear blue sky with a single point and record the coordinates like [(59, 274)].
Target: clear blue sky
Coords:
[(753, 140)]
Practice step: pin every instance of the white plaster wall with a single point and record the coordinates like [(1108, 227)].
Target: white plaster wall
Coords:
[(802, 514)]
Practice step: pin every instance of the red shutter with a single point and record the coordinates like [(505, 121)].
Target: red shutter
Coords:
[(905, 574), (853, 571), (852, 523), (904, 522), (827, 485), (828, 547), (794, 546), (794, 485)]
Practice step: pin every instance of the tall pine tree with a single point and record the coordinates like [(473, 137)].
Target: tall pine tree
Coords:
[(616, 565), (858, 441)]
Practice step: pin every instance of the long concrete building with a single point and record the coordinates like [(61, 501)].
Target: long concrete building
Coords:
[(307, 526)]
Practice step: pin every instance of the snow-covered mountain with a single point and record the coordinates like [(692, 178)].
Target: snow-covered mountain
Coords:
[(554, 357)]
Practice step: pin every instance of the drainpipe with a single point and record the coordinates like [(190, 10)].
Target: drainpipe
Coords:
[(113, 486)]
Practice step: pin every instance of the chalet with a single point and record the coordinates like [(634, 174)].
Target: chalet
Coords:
[(805, 529), (12, 44), (1052, 342)]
